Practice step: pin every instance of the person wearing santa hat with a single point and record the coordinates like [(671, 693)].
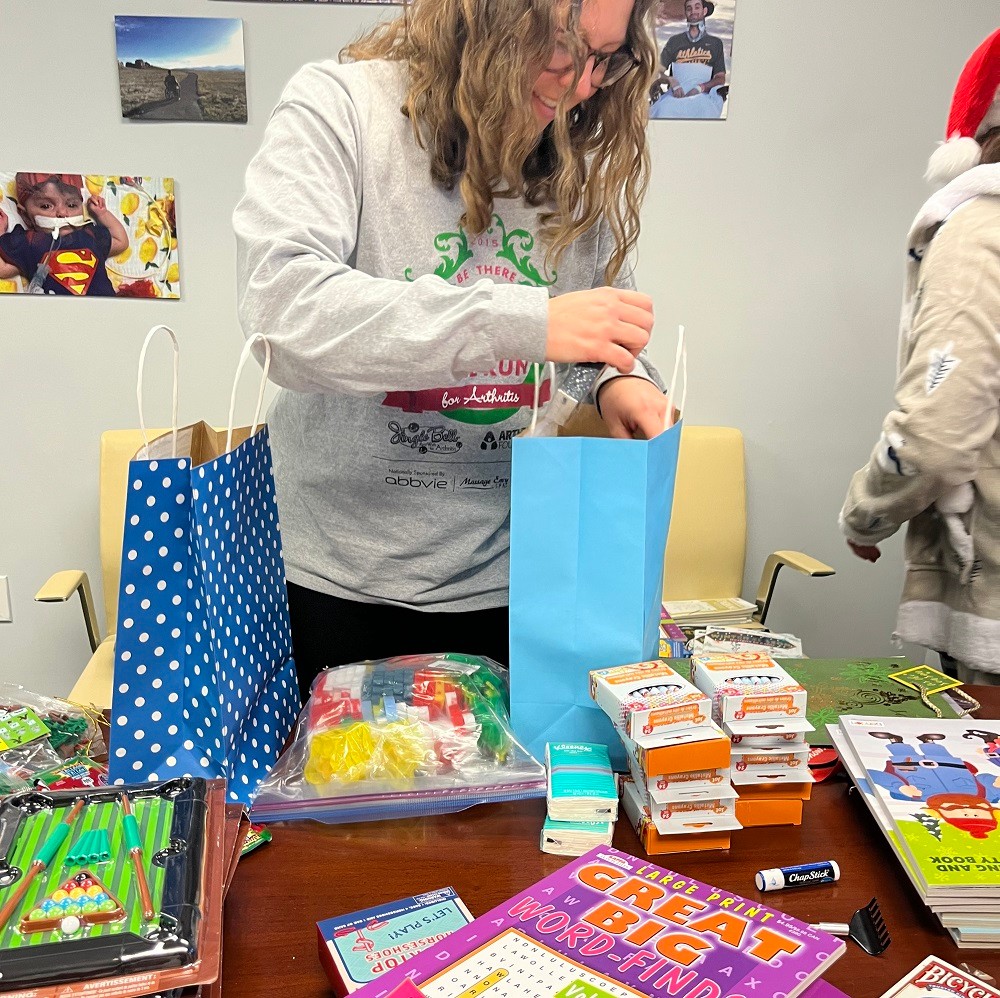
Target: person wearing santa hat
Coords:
[(937, 463)]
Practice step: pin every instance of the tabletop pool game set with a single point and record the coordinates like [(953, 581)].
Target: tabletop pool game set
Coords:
[(120, 885)]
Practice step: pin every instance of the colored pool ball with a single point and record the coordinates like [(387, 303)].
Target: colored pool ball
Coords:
[(60, 895), (77, 893), (48, 904), (108, 905), (80, 878), (89, 907), (93, 890), (37, 915), (71, 908), (101, 897)]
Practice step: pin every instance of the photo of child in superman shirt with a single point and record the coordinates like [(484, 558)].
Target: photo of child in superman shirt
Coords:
[(63, 244)]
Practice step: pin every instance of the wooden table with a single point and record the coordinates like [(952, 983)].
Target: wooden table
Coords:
[(489, 853)]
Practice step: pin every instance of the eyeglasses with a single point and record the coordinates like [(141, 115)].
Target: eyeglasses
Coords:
[(608, 67)]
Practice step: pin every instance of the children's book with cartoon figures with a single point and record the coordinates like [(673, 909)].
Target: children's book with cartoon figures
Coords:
[(613, 925), (933, 785)]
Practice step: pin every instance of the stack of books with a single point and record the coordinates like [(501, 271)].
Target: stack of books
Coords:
[(762, 710), (582, 798), (732, 610), (679, 797), (933, 786)]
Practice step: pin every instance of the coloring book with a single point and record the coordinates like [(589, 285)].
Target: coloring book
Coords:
[(938, 783), (609, 925)]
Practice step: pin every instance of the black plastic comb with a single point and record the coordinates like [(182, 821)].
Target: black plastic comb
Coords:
[(867, 928)]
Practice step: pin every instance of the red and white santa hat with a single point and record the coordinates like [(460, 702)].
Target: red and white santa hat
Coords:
[(975, 109)]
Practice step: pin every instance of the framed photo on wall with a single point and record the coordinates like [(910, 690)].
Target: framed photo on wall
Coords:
[(181, 68), (695, 41), (88, 235)]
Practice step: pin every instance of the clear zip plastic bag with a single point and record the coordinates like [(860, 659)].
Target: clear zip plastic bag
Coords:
[(401, 737), (69, 728)]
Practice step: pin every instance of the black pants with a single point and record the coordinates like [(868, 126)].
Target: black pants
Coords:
[(328, 631)]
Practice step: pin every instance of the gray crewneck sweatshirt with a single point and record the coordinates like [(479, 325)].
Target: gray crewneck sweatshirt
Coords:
[(403, 345)]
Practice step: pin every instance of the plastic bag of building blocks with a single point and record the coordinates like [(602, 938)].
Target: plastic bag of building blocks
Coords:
[(399, 737)]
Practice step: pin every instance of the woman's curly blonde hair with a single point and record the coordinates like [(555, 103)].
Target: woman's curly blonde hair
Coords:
[(472, 64)]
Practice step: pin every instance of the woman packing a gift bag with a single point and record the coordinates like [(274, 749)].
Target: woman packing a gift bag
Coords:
[(454, 202)]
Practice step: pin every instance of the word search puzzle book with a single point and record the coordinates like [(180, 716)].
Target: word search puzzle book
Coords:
[(609, 925)]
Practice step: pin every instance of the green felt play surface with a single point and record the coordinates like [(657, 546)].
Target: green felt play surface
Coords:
[(154, 817)]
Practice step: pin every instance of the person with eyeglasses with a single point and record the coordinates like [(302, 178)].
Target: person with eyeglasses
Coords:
[(694, 67), (450, 204)]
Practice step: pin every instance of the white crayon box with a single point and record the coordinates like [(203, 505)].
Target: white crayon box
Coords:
[(695, 781), (775, 739), (707, 747), (695, 785), (648, 700), (749, 687), (636, 808), (782, 764), (715, 811)]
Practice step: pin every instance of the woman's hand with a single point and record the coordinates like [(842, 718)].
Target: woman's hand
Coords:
[(600, 326), (633, 407)]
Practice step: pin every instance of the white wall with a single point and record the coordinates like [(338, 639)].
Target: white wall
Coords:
[(775, 237)]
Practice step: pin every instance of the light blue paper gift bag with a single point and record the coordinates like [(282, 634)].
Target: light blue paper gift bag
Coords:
[(205, 682), (588, 530)]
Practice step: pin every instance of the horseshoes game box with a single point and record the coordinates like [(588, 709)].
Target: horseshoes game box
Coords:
[(356, 948)]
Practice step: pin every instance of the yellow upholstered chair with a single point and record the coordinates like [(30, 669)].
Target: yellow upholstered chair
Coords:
[(706, 549), (94, 684)]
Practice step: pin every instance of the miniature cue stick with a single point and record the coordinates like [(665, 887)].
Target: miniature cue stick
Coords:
[(134, 845), (45, 855)]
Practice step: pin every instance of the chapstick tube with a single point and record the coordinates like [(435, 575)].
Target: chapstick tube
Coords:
[(798, 876)]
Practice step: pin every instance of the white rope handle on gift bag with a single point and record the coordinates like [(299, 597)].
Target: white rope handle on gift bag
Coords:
[(247, 347), (680, 367), (539, 378), (138, 385)]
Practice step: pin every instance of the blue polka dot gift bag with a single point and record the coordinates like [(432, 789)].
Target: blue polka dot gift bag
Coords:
[(205, 683)]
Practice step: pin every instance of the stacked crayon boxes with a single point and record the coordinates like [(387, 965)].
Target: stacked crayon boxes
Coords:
[(762, 710), (679, 797)]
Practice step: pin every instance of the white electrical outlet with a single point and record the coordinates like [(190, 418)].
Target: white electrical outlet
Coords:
[(5, 615)]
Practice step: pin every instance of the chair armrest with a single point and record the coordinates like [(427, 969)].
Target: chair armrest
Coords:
[(61, 586), (793, 559), (96, 682)]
